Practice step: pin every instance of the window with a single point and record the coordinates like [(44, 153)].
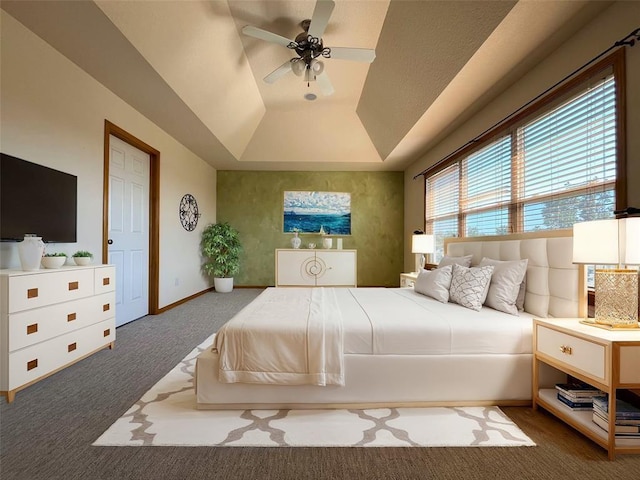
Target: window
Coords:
[(556, 164)]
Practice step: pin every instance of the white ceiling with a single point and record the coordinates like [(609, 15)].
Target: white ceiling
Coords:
[(189, 68)]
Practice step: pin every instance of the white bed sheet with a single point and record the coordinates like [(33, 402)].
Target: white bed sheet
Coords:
[(388, 321)]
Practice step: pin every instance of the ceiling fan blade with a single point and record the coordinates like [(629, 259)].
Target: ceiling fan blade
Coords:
[(278, 73), (356, 54), (320, 18), (256, 32), (325, 84)]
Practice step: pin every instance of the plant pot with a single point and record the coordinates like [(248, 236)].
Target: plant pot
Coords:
[(81, 261), (223, 285), (53, 262)]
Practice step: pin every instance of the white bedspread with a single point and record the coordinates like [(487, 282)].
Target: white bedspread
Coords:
[(286, 336), (399, 321)]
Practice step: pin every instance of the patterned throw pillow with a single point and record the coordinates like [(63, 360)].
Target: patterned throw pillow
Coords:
[(469, 286)]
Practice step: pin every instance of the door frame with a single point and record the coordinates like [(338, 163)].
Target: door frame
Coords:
[(154, 207)]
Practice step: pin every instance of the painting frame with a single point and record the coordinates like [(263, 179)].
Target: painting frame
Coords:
[(323, 213)]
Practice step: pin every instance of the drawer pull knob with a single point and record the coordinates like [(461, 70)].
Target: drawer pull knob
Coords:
[(71, 347), (32, 293), (105, 307), (71, 317), (107, 332), (73, 285), (32, 364), (106, 281), (33, 328), (565, 349)]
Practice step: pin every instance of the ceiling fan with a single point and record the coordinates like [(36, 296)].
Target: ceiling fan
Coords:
[(309, 46)]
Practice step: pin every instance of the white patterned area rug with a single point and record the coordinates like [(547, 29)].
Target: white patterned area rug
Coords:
[(167, 416)]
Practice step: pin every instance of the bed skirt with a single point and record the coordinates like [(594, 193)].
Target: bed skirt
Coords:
[(382, 380)]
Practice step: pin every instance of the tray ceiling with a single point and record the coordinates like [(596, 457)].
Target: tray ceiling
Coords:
[(189, 69)]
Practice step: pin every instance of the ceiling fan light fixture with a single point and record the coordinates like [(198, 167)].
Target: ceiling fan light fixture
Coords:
[(316, 66), (298, 67)]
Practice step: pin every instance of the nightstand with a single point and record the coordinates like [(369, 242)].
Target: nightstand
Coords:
[(408, 279), (606, 359)]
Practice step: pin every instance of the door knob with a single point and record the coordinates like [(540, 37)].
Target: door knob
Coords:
[(110, 242)]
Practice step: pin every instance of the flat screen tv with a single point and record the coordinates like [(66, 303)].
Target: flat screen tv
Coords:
[(36, 199)]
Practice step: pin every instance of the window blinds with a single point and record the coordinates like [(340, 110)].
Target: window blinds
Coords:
[(543, 173)]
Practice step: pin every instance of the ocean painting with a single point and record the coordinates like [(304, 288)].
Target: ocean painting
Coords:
[(317, 212)]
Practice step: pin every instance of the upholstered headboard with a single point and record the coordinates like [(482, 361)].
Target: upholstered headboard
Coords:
[(555, 287)]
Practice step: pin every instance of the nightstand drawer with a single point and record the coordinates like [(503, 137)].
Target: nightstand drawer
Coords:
[(574, 352)]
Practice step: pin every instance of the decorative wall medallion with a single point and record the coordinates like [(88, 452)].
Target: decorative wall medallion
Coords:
[(189, 212)]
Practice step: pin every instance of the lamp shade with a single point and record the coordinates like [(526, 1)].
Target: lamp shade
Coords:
[(607, 242), (630, 246), (422, 244)]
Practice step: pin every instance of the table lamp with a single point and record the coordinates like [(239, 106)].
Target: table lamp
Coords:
[(611, 242), (421, 243)]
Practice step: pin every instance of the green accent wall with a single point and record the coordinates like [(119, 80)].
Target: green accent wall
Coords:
[(252, 203)]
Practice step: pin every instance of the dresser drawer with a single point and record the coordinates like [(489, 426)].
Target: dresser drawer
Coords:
[(47, 288), (573, 352), (32, 326), (105, 279), (33, 362)]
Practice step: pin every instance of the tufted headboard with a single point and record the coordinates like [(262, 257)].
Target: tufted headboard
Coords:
[(555, 287)]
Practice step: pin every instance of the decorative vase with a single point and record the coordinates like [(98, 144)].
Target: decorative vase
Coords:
[(296, 240), (30, 251), (327, 242)]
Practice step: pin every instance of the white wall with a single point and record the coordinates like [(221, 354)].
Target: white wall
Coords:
[(611, 25), (53, 113)]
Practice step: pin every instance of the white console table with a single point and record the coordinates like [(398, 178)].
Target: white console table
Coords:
[(327, 268)]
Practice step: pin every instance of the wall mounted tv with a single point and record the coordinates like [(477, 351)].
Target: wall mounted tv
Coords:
[(36, 199)]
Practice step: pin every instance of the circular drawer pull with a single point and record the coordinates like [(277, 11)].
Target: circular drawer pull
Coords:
[(565, 349)]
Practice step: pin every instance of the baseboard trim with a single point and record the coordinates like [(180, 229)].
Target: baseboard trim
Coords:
[(184, 300)]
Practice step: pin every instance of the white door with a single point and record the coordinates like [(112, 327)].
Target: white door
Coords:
[(129, 228)]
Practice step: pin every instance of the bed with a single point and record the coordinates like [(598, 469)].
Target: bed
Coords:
[(394, 346)]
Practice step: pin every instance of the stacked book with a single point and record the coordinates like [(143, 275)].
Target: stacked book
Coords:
[(627, 416), (577, 396)]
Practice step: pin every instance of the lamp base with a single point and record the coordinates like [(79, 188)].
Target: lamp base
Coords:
[(616, 298)]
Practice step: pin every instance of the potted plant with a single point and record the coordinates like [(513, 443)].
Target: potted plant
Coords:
[(221, 244), (82, 257), (54, 260)]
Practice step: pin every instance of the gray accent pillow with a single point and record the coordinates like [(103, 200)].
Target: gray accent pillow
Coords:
[(435, 283), (505, 283), (447, 260), (469, 285), (521, 293)]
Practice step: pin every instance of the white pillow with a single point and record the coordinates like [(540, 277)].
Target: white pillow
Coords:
[(435, 283), (447, 260), (469, 285), (505, 284)]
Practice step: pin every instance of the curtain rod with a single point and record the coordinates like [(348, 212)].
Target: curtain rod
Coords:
[(629, 40)]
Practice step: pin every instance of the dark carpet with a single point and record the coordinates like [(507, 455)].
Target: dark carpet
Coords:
[(47, 432)]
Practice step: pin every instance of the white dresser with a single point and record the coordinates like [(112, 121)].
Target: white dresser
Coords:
[(50, 319), (327, 268)]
